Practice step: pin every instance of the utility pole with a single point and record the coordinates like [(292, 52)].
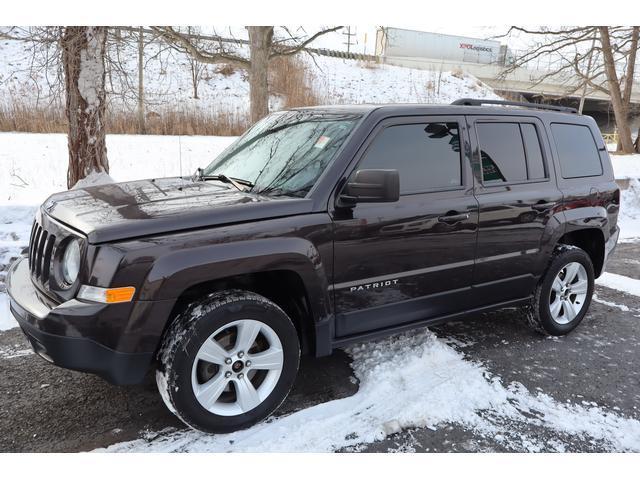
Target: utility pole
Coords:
[(350, 37)]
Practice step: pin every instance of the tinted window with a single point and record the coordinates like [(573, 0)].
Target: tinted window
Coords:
[(577, 150), (427, 156), (502, 152), (535, 163)]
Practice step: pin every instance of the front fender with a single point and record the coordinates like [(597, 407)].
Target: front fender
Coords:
[(177, 271)]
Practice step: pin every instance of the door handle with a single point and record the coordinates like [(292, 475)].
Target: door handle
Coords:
[(541, 207), (454, 218)]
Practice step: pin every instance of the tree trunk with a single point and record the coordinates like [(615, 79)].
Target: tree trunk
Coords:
[(141, 123), (628, 78), (83, 50), (620, 110), (195, 77), (260, 47), (637, 143)]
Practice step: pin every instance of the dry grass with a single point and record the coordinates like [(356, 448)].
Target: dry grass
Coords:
[(52, 120), (21, 118), (291, 78)]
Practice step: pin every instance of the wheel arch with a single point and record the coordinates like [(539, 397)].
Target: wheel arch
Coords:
[(285, 288), (592, 241), (288, 271)]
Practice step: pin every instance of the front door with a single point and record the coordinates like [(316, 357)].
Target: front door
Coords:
[(409, 260)]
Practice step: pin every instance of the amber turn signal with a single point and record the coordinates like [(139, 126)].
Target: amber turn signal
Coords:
[(106, 295), (117, 295)]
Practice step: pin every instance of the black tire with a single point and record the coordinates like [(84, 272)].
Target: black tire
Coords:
[(192, 328), (538, 314)]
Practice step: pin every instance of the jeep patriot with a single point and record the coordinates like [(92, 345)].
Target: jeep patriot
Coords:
[(317, 228)]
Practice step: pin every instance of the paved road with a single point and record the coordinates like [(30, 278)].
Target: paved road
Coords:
[(44, 408)]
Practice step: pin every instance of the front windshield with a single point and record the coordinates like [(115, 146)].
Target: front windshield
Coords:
[(286, 152)]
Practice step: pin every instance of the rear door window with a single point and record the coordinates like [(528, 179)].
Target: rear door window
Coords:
[(510, 152), (535, 162), (501, 152), (577, 150)]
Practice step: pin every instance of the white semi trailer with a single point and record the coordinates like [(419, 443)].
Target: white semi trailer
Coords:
[(398, 42)]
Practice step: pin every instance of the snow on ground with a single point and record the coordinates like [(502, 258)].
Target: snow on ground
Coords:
[(14, 351), (349, 81), (620, 282), (395, 394), (621, 307), (7, 321), (626, 166), (629, 217), (34, 165)]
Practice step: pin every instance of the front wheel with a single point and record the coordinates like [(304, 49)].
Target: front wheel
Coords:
[(228, 361), (563, 295)]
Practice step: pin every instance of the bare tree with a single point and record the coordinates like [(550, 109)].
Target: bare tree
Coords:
[(83, 53), (594, 55), (196, 67), (264, 46)]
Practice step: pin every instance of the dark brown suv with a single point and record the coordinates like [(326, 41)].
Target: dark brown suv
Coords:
[(317, 228)]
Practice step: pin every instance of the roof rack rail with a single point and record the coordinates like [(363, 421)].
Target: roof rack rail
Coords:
[(478, 102)]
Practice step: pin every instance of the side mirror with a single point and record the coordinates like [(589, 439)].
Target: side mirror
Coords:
[(371, 186)]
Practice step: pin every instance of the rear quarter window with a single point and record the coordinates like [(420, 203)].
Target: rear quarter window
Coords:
[(577, 150)]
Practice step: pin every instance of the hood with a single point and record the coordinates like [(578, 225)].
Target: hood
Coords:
[(117, 211)]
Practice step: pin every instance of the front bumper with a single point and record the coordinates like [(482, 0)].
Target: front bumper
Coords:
[(54, 333)]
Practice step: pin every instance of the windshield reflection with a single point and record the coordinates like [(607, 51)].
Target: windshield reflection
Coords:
[(285, 153)]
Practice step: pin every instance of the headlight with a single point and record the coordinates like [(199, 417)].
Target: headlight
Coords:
[(71, 262)]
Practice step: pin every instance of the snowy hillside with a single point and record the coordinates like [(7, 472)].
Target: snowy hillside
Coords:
[(169, 86)]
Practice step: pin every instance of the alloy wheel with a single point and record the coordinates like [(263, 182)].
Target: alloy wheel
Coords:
[(568, 293), (237, 367)]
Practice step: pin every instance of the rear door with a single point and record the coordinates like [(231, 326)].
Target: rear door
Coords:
[(518, 197), (409, 260)]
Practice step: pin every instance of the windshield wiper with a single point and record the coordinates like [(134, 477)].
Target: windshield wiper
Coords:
[(236, 182), (278, 191)]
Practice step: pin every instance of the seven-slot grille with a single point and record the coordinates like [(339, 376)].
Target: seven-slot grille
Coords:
[(40, 252)]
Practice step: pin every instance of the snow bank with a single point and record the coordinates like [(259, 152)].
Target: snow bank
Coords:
[(412, 380), (96, 178), (626, 166), (629, 217)]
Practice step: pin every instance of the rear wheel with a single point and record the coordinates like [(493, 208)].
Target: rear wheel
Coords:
[(228, 361), (563, 295)]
